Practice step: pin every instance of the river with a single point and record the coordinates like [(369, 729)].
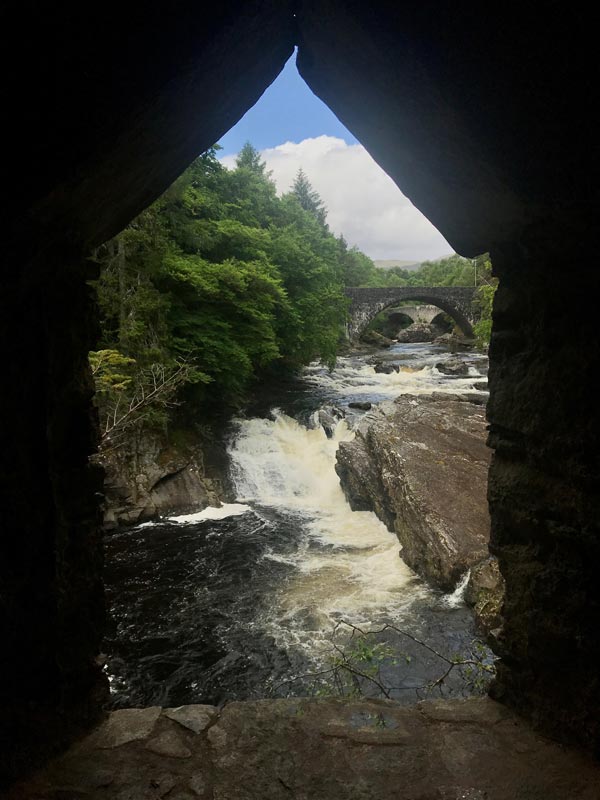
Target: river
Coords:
[(242, 602)]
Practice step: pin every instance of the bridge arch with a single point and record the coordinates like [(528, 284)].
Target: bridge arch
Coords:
[(456, 301)]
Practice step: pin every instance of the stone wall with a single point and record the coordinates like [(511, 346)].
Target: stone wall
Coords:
[(52, 605)]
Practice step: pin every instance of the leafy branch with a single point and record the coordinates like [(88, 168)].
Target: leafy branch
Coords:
[(128, 395)]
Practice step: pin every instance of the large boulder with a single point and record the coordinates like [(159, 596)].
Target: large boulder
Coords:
[(386, 368), (455, 367), (421, 464)]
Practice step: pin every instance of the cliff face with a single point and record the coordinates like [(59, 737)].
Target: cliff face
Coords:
[(153, 476), (420, 463)]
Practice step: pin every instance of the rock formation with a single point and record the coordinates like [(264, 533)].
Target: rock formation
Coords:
[(420, 463), (151, 477)]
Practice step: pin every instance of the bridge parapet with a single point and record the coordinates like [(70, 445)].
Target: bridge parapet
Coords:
[(456, 301)]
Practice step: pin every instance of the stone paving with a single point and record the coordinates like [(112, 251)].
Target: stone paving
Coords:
[(308, 749)]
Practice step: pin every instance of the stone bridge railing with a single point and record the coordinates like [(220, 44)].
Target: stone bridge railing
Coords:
[(456, 301)]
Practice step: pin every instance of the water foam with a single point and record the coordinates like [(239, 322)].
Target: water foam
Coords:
[(351, 380), (348, 565), (212, 512)]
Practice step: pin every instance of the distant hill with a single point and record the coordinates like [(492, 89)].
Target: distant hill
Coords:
[(388, 263)]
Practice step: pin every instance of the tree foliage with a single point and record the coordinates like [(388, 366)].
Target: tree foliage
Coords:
[(485, 301), (450, 271), (308, 198), (224, 276)]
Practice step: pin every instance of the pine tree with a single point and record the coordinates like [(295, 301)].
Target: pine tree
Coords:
[(249, 158), (308, 198)]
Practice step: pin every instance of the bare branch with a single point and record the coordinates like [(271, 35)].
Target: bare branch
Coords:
[(346, 662)]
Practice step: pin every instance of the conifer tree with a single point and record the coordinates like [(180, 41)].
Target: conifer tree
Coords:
[(308, 198), (249, 158)]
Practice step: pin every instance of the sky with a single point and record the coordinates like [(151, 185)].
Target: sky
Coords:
[(292, 128)]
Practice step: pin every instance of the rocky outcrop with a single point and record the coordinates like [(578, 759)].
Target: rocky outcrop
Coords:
[(153, 475), (420, 463)]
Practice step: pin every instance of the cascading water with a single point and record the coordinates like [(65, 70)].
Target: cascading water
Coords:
[(229, 603), (346, 565)]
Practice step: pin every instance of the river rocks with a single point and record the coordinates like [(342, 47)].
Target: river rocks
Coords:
[(362, 406), (455, 342), (418, 332), (328, 418), (421, 463), (149, 476), (386, 368), (454, 367), (372, 337)]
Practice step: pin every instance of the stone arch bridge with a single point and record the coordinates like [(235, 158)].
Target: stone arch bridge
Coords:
[(456, 301)]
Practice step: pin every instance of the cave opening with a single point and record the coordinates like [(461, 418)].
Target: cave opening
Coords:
[(466, 109), (219, 418)]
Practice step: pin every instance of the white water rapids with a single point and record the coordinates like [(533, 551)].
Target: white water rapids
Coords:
[(348, 565)]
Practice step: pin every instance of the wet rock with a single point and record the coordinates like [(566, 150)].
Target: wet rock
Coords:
[(418, 332), (377, 339), (455, 342), (485, 592), (328, 417), (366, 406), (386, 369), (421, 463), (481, 386), (454, 367)]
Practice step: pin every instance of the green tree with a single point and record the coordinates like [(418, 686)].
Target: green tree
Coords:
[(485, 301), (222, 275), (308, 198)]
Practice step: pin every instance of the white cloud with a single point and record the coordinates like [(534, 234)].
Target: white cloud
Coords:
[(363, 203)]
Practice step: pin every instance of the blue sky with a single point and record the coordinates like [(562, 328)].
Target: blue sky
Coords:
[(287, 111), (292, 128)]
